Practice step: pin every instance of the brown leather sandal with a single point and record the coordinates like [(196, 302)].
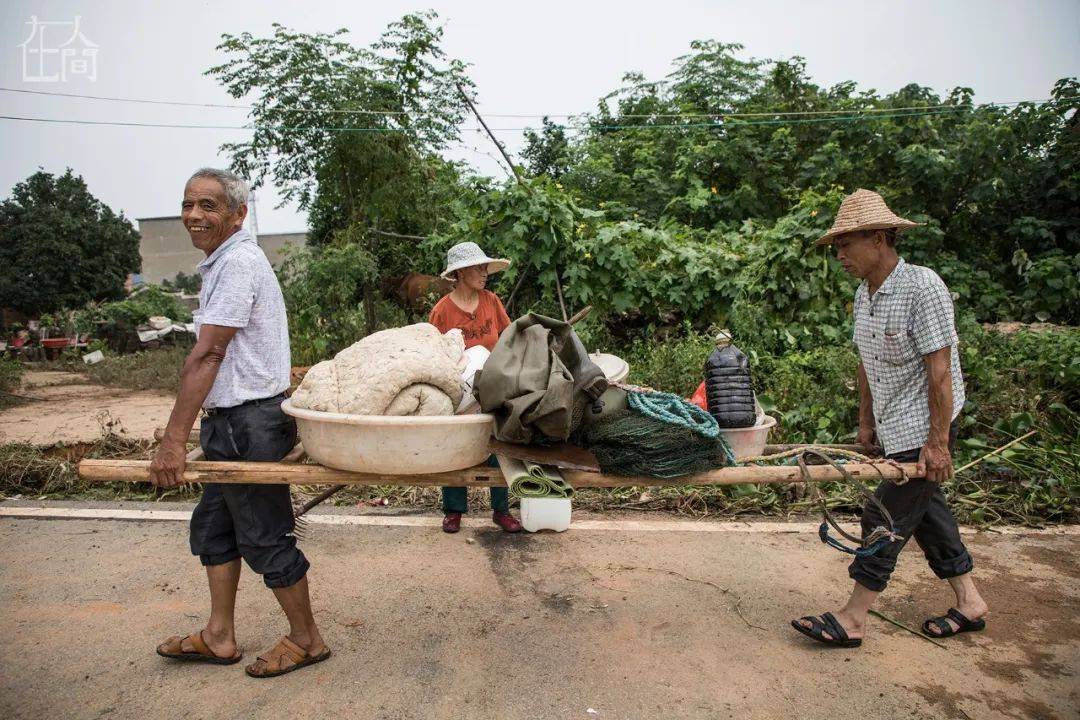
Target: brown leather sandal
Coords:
[(173, 648), (285, 657)]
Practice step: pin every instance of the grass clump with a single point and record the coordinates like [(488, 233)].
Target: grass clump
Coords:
[(52, 472)]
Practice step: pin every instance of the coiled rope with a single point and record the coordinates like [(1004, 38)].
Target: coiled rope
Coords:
[(673, 410)]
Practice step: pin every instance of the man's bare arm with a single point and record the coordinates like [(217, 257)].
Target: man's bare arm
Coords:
[(936, 459), (867, 425), (196, 378)]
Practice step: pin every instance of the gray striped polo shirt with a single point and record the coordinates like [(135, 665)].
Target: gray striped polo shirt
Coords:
[(240, 290)]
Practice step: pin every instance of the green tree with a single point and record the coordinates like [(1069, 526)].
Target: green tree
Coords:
[(323, 289), (708, 148), (353, 134), (547, 152), (60, 247)]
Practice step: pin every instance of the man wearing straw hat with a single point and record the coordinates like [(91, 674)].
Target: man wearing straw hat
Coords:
[(911, 392)]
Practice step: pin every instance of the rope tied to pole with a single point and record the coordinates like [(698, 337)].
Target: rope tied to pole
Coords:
[(880, 537)]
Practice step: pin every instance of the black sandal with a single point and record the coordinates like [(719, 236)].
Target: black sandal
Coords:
[(827, 623), (942, 624)]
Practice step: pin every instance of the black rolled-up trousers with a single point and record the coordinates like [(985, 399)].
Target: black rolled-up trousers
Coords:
[(254, 522), (919, 510)]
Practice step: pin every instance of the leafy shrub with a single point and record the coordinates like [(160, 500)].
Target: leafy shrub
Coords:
[(1051, 287), (791, 295), (324, 294), (813, 393), (143, 305), (11, 371), (116, 322), (183, 282), (669, 364), (1020, 373)]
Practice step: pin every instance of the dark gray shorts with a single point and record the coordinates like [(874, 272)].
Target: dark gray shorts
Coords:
[(254, 522)]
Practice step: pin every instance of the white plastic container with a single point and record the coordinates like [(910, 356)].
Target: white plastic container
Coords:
[(749, 441), (393, 445), (475, 357), (545, 514), (615, 368)]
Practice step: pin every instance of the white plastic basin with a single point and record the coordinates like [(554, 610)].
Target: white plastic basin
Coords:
[(392, 445), (749, 441)]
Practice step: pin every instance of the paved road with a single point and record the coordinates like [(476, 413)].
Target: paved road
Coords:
[(591, 624)]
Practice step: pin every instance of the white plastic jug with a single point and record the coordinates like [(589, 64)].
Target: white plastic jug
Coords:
[(545, 514)]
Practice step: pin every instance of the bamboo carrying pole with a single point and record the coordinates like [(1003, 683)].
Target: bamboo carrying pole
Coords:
[(262, 473), (480, 476)]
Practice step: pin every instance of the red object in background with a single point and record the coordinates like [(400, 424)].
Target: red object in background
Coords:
[(698, 398), (53, 343)]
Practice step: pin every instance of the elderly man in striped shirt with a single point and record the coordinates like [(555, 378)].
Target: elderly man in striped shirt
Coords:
[(911, 393), (237, 374)]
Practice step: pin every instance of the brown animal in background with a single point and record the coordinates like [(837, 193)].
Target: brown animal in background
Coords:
[(411, 289), (297, 376)]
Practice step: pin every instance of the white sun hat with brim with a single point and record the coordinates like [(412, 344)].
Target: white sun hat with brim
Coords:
[(864, 210), (468, 254)]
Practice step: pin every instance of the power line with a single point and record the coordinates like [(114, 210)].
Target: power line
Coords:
[(179, 126), (461, 145), (787, 113), (180, 103), (380, 130)]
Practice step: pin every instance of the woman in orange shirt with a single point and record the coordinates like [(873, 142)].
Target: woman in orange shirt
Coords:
[(481, 317)]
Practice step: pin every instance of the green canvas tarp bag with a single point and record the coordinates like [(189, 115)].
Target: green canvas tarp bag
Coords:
[(539, 381)]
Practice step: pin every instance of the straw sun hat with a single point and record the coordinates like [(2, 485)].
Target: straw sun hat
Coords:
[(864, 210), (468, 254)]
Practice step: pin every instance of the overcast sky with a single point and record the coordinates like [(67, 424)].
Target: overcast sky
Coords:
[(554, 57)]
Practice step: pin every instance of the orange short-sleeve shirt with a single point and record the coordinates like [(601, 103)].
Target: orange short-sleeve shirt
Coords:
[(480, 327)]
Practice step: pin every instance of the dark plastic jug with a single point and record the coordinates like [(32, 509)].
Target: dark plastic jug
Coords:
[(728, 391)]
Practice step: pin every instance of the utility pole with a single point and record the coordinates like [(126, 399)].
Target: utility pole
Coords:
[(499, 145), (253, 212), (523, 184)]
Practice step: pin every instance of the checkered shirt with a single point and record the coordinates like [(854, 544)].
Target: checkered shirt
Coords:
[(910, 315)]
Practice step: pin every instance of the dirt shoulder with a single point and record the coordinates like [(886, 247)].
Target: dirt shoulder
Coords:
[(69, 409), (484, 625)]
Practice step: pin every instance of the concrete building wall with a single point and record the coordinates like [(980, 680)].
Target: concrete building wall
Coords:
[(273, 244), (166, 248)]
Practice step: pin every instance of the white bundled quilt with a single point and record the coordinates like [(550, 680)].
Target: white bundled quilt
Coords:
[(414, 370)]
